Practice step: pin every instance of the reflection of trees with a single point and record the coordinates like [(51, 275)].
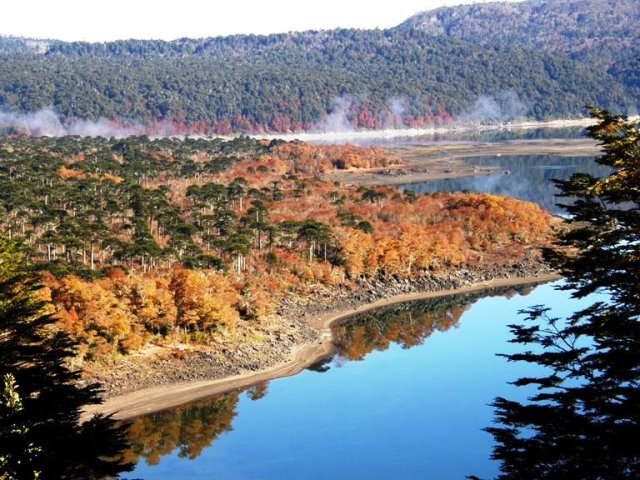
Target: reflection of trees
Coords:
[(505, 135), (321, 366), (407, 324), (530, 177), (188, 428), (476, 136), (258, 391), (583, 421)]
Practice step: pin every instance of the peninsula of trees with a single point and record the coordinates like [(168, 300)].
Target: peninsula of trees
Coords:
[(170, 241)]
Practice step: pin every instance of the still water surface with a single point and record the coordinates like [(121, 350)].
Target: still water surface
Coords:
[(527, 177), (407, 397)]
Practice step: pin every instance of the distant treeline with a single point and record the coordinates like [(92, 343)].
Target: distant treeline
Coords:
[(290, 82)]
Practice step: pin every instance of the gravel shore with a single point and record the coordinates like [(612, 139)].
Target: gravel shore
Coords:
[(301, 323)]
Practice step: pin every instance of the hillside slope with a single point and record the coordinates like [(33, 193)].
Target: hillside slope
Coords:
[(492, 62), (601, 33), (567, 26)]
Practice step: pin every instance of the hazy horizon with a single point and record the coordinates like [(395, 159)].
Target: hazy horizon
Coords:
[(68, 20)]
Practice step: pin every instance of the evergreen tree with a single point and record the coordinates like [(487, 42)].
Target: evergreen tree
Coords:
[(40, 399), (584, 420)]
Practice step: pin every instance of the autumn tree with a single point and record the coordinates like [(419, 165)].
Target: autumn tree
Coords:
[(204, 301)]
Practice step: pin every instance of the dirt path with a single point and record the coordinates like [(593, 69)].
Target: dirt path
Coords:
[(158, 398)]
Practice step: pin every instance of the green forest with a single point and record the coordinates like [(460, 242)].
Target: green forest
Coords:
[(338, 79)]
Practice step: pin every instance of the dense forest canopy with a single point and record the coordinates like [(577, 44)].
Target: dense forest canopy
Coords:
[(568, 26), (603, 34), (406, 76)]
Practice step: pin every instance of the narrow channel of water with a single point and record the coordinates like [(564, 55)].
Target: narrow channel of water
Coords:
[(527, 177), (486, 135)]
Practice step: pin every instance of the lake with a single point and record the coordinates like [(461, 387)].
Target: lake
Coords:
[(406, 397), (527, 177)]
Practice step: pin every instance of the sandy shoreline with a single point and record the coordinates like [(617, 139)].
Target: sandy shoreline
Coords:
[(149, 400), (422, 163)]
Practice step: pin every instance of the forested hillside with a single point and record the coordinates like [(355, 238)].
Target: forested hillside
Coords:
[(567, 26), (601, 33), (482, 63)]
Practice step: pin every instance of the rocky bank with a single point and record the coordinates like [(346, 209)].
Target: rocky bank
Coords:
[(296, 326)]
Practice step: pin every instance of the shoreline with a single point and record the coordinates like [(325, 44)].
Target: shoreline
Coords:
[(427, 162), (387, 133), (157, 398)]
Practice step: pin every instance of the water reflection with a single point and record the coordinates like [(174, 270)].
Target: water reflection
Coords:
[(186, 431), (527, 177), (406, 327), (407, 324), (489, 135), (189, 429)]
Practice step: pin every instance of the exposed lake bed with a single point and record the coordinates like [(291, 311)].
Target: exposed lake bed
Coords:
[(429, 162), (154, 382)]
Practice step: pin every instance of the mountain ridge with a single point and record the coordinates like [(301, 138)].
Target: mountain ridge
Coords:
[(344, 78)]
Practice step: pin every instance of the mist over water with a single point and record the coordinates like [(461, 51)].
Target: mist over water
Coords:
[(48, 123)]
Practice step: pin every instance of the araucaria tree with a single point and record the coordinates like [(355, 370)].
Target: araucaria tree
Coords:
[(41, 436), (584, 420)]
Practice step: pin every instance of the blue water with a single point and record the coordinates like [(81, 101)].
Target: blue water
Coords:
[(400, 413), (526, 177)]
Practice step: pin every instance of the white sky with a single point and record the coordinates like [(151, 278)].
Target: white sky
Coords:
[(162, 19)]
